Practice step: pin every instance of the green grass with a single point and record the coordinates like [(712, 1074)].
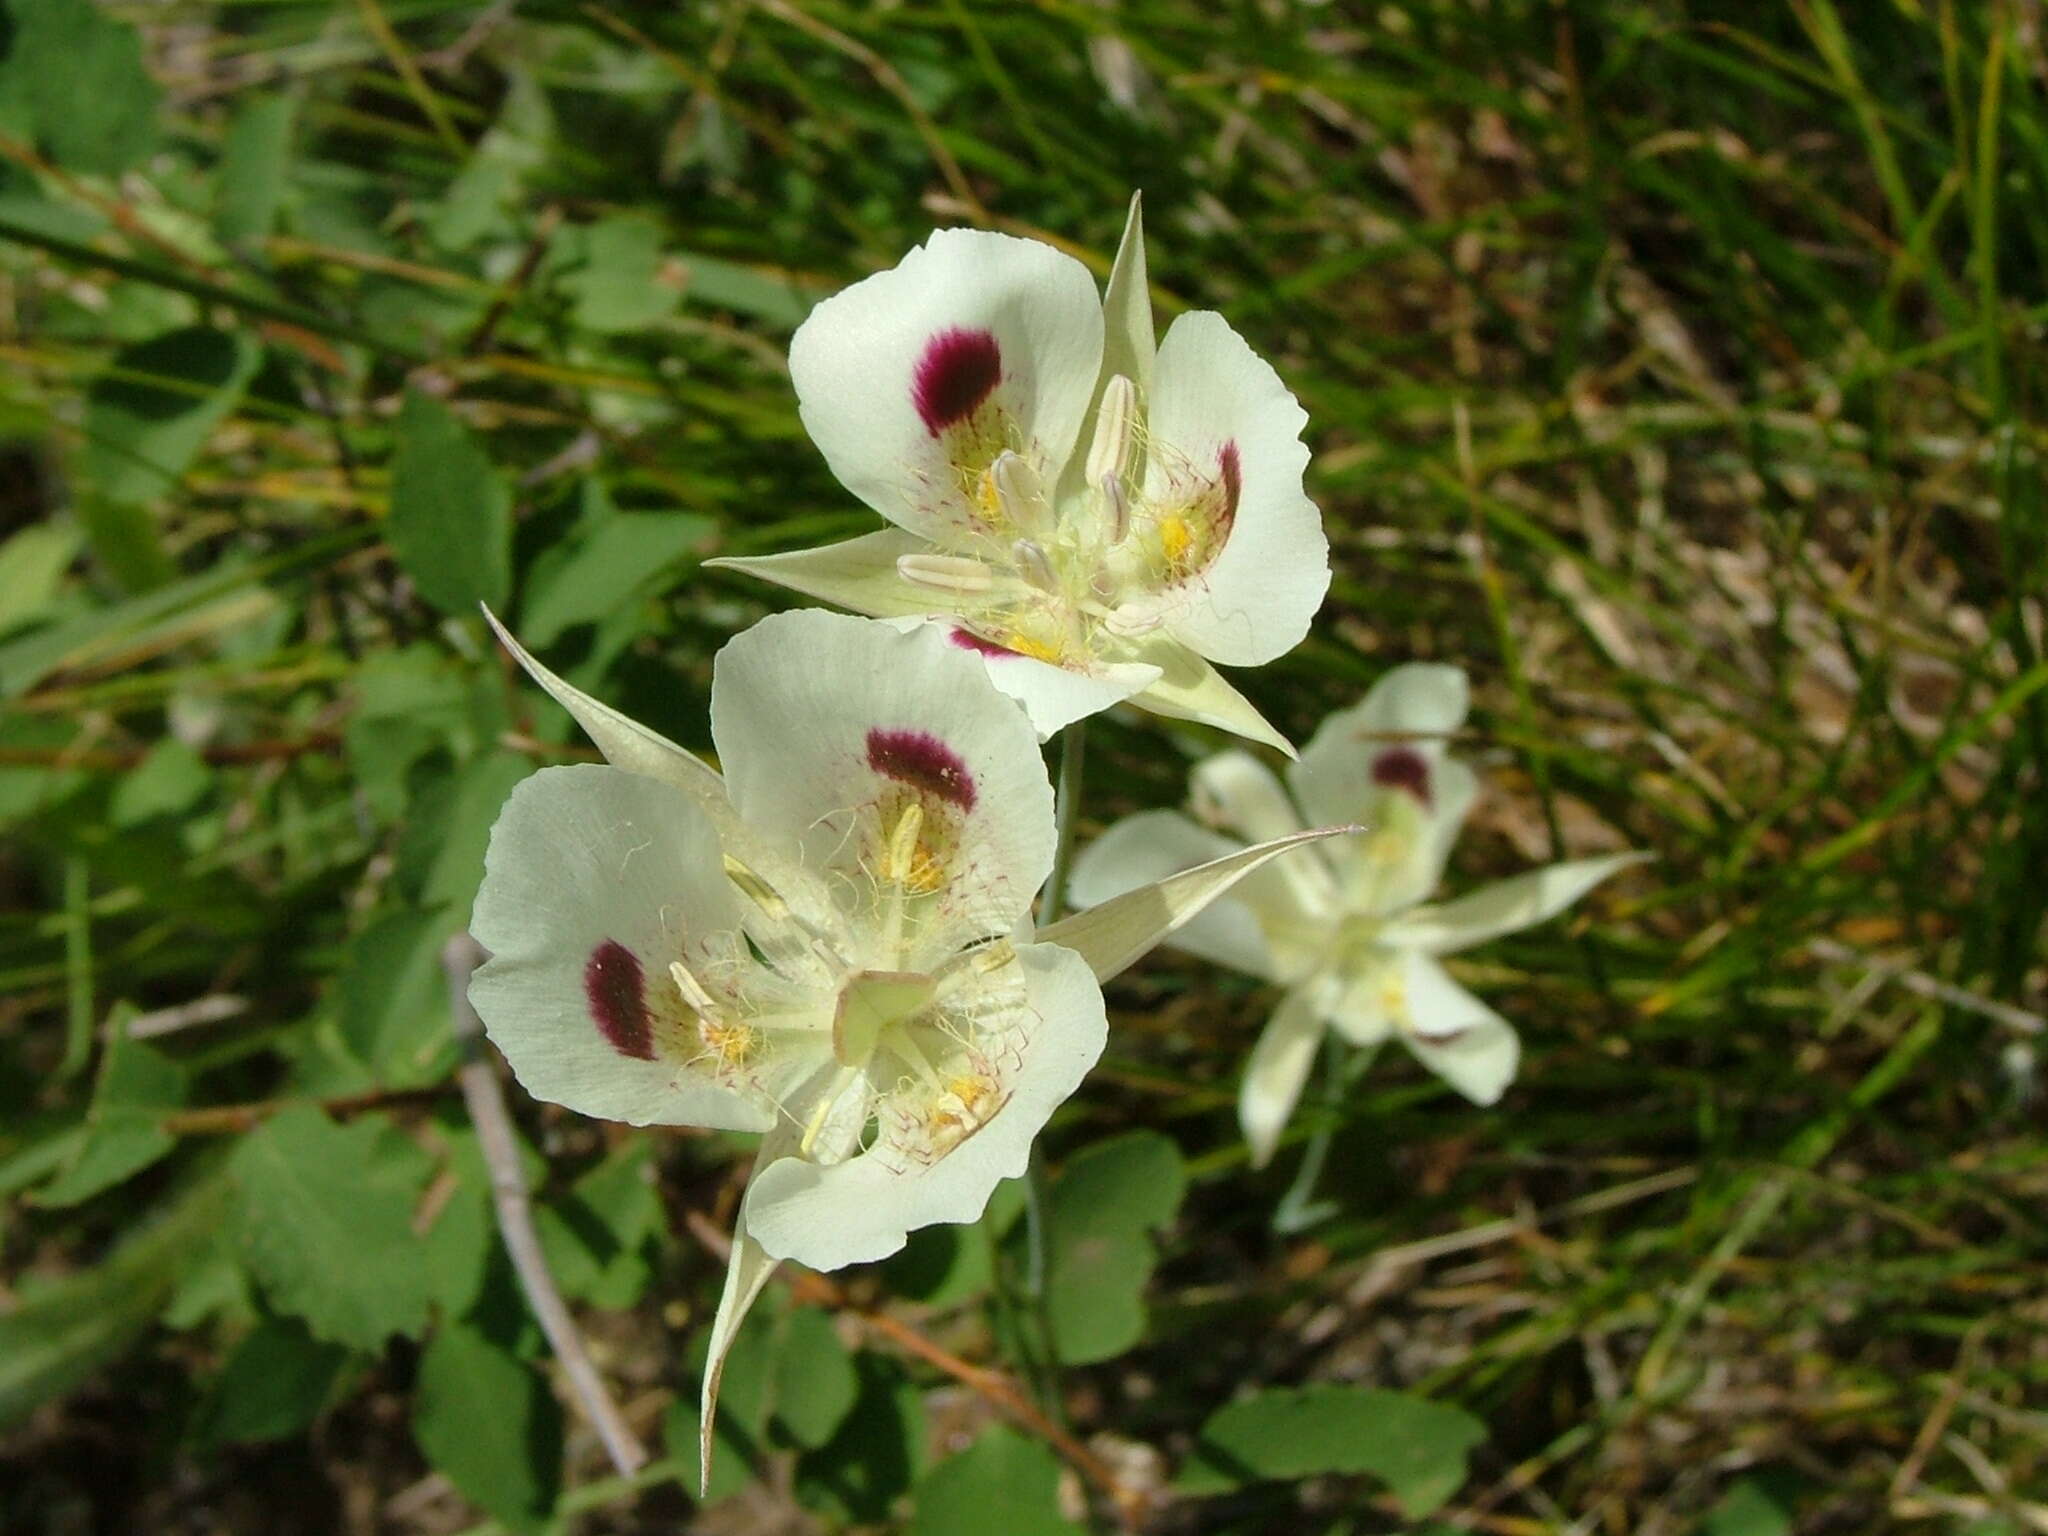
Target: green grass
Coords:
[(1675, 368)]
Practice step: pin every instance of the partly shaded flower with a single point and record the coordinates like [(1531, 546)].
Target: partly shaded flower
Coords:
[(1097, 519), (1344, 928), (830, 944)]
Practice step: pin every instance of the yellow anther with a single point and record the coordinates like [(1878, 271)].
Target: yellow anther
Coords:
[(1176, 538), (899, 859), (734, 1045), (1038, 650)]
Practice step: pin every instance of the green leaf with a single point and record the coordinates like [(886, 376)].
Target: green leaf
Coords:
[(596, 1237), (716, 284), (325, 1222), (170, 780), (488, 1421), (617, 286), (874, 1456), (148, 415), (1002, 1472), (80, 70), (56, 1338), (441, 856), (626, 553), (276, 1383), (393, 999), (254, 166), (126, 542), (1746, 1509), (1104, 1207), (1416, 1447), (32, 564), (814, 1384), (451, 515), (124, 1127)]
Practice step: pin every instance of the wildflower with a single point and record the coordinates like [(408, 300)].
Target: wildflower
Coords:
[(1345, 928), (1098, 520), (829, 944)]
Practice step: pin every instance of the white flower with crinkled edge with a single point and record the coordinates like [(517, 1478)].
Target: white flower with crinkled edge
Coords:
[(1344, 928), (830, 943), (1097, 518)]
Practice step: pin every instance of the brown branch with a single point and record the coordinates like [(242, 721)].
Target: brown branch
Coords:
[(117, 760), (480, 1091), (229, 1119), (1133, 1505)]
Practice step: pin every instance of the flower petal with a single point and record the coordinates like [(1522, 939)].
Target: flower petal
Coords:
[(1274, 1074), (1128, 342), (856, 573), (912, 380), (1236, 790), (819, 716), (1154, 844), (1190, 689), (1055, 697), (596, 879), (1503, 907), (1111, 936), (865, 1207), (1357, 754), (1454, 1034), (1229, 441)]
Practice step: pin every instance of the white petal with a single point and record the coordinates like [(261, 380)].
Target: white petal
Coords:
[(1190, 689), (1127, 335), (1454, 1034), (1365, 1003), (1219, 413), (1340, 774), (1111, 936), (595, 881), (1245, 796), (1154, 844), (856, 573), (1503, 907), (865, 1207), (818, 716), (973, 342), (1274, 1075), (1055, 697)]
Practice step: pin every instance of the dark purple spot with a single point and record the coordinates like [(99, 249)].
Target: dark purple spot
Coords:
[(1233, 483), (968, 640), (924, 762), (1403, 768), (959, 370), (618, 1004)]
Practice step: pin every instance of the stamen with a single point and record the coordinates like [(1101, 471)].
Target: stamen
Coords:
[(699, 1001), (1034, 566), (899, 860), (945, 573), (1019, 491), (841, 1081), (1116, 501), (1116, 431)]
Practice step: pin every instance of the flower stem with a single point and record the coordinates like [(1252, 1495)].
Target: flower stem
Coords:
[(1298, 1210), (1067, 820)]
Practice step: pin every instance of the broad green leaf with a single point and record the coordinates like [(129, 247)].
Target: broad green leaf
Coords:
[(32, 564), (325, 1220), (170, 780), (124, 1126), (624, 554), (149, 413), (488, 1421), (1746, 1509), (393, 999), (441, 856), (451, 515), (617, 286), (125, 542), (596, 1236), (877, 1452), (1416, 1447), (1003, 1475), (1104, 1207), (254, 166), (275, 1383), (814, 1384), (80, 70), (714, 284), (56, 1338)]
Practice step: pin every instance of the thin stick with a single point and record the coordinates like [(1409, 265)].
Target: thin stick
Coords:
[(1923, 985), (992, 1387), (459, 958)]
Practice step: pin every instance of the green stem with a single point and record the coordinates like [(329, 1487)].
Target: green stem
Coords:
[(1067, 819), (1298, 1209)]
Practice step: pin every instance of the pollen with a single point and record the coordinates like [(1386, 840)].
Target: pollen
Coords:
[(731, 1045), (1052, 652), (1175, 540)]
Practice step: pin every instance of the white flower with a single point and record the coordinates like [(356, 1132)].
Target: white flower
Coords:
[(1098, 521), (830, 944), (1344, 929)]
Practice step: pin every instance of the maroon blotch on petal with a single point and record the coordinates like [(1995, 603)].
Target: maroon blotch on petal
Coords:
[(968, 640), (924, 762), (1232, 474), (1403, 768), (959, 369), (613, 985)]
